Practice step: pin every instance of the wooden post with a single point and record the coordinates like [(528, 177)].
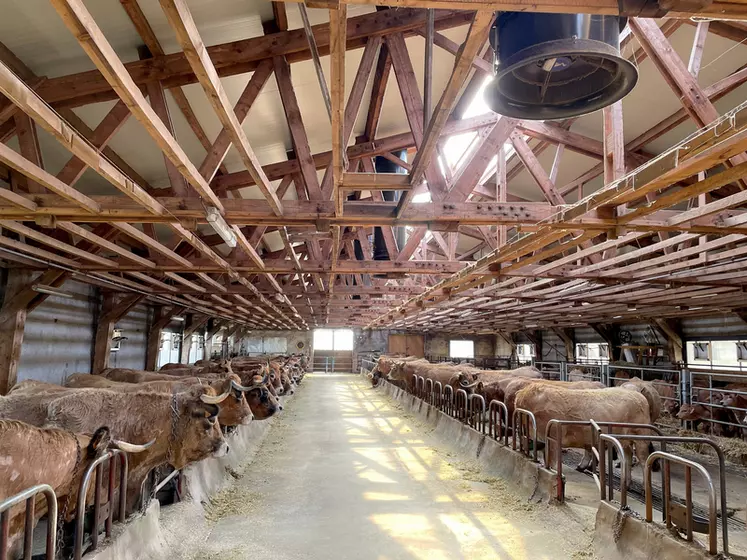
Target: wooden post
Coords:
[(161, 318), (112, 311), (104, 331), (12, 324)]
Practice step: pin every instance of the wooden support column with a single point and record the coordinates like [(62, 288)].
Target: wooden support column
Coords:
[(672, 330), (12, 325), (568, 338), (611, 335), (162, 317), (614, 152), (192, 325), (112, 311)]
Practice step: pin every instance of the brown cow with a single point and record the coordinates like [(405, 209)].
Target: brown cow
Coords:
[(30, 455), (234, 409), (183, 425), (603, 405), (647, 390)]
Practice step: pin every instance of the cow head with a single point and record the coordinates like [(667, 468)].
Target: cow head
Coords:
[(730, 399), (260, 399), (234, 410), (197, 431), (692, 412), (396, 370)]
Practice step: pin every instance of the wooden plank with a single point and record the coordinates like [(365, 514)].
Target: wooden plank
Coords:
[(355, 100), (337, 41), (413, 104), (28, 141), (189, 38), (104, 244), (535, 169), (45, 117), (476, 37), (39, 176), (151, 243), (89, 35), (297, 129), (376, 181), (614, 143), (12, 325), (696, 53), (218, 150), (117, 116), (378, 90)]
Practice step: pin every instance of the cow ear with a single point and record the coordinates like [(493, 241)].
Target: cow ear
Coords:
[(480, 385), (99, 441)]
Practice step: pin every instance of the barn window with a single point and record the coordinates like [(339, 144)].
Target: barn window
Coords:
[(593, 352), (461, 349), (742, 351), (699, 350), (340, 340), (525, 351)]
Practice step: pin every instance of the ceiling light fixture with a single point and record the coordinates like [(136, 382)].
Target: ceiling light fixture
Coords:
[(51, 291), (220, 226)]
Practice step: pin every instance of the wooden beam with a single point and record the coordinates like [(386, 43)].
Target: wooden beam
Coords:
[(180, 18), (338, 41), (12, 325), (376, 181), (89, 35), (218, 150), (104, 244), (297, 129), (476, 37), (378, 89), (138, 19), (535, 169), (696, 53), (28, 141)]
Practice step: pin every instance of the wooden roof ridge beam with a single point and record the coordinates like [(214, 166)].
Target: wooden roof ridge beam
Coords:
[(468, 52), (80, 22), (180, 18), (338, 45), (148, 36), (242, 56), (715, 10), (219, 149)]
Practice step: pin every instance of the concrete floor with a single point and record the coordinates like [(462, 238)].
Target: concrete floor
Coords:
[(344, 474)]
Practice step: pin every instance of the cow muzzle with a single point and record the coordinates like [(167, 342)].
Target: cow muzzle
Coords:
[(221, 450)]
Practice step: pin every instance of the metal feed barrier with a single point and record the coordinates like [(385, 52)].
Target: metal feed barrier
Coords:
[(522, 433), (724, 420), (471, 410), (29, 497), (684, 514), (97, 468)]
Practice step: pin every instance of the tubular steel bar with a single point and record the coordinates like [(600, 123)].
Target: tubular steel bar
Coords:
[(429, 390), (476, 419), (98, 467), (498, 410), (721, 469), (559, 444), (525, 416), (624, 467), (440, 392), (463, 400), (448, 403), (668, 458), (29, 496)]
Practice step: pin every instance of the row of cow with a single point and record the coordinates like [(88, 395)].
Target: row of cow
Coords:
[(50, 434), (635, 402)]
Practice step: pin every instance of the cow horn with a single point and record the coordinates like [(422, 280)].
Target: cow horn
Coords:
[(241, 387), (467, 385), (207, 399), (131, 447)]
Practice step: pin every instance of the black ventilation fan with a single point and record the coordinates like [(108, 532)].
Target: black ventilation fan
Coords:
[(557, 66)]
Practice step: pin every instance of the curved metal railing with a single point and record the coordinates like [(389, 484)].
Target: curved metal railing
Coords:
[(29, 496), (522, 431)]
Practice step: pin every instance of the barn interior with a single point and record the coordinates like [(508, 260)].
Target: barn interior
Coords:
[(337, 201)]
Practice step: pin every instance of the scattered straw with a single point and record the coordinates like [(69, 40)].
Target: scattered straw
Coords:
[(232, 501)]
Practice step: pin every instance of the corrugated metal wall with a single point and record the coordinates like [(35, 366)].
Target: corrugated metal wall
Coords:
[(553, 347), (59, 334), (728, 326), (134, 326)]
